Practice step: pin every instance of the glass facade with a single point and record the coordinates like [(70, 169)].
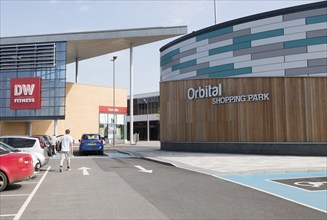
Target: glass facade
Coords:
[(107, 126), (142, 108), (46, 61)]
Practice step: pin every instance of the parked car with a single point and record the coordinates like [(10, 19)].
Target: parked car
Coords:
[(14, 167), (36, 162), (45, 141), (91, 143), (28, 144)]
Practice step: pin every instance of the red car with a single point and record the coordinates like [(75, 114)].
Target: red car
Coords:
[(14, 167)]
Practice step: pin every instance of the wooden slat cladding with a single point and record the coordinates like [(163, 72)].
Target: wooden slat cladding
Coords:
[(296, 111)]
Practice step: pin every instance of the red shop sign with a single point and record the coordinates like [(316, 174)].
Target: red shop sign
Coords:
[(111, 109), (25, 93)]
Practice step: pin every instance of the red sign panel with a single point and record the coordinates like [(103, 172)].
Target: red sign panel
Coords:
[(25, 93), (111, 109)]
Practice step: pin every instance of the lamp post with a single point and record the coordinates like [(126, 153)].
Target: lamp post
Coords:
[(147, 117), (114, 99)]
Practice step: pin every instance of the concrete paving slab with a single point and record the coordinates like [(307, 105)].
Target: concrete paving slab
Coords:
[(215, 163)]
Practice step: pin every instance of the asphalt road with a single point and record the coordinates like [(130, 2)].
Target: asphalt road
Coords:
[(134, 188)]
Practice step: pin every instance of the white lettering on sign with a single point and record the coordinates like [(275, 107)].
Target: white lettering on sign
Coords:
[(23, 89), (213, 92), (205, 92), (27, 100), (241, 98), (113, 110)]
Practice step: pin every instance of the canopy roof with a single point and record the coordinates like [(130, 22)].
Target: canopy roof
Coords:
[(85, 45)]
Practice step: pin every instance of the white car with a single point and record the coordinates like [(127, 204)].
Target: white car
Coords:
[(28, 144)]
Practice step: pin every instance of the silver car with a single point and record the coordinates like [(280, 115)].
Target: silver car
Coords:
[(28, 144)]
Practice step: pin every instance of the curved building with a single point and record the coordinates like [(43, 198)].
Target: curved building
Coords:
[(257, 84)]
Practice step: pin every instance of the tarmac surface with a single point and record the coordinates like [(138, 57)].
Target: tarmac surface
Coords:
[(219, 163), (298, 179)]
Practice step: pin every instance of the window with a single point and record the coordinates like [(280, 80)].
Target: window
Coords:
[(20, 142)]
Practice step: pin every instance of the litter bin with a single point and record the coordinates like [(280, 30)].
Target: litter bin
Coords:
[(136, 138)]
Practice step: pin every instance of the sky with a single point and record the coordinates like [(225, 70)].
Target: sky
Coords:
[(26, 17)]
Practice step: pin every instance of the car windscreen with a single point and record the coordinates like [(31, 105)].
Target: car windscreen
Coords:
[(8, 148), (3, 151), (21, 142), (91, 137)]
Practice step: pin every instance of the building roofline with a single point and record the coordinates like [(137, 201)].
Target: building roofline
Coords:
[(85, 45), (254, 17)]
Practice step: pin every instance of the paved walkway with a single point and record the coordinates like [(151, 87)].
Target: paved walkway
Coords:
[(215, 163)]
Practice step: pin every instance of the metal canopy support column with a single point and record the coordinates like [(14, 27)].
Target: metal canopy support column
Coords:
[(29, 128), (131, 123), (76, 69), (55, 127)]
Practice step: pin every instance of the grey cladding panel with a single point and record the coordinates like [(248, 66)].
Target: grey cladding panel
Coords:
[(318, 62), (196, 67), (185, 53), (268, 47), (306, 70), (174, 62), (276, 53), (230, 35), (317, 33), (304, 14)]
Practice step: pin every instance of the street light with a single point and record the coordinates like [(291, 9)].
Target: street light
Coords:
[(114, 99), (147, 116)]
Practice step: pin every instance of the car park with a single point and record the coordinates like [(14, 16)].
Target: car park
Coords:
[(36, 162), (14, 167), (28, 144), (91, 143)]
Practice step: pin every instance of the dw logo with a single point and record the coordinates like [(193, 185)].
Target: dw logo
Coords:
[(25, 93), (24, 89)]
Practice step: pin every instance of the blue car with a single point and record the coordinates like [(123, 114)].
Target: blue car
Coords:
[(91, 143)]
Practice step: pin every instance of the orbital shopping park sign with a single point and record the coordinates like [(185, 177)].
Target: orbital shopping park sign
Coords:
[(215, 93), (25, 93)]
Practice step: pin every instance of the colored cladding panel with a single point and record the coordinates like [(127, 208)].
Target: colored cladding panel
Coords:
[(184, 65), (167, 58), (258, 36), (234, 72), (214, 33), (306, 42), (165, 62), (316, 19), (229, 48), (215, 69)]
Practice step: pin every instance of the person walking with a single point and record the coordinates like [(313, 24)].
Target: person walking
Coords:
[(53, 144), (66, 149)]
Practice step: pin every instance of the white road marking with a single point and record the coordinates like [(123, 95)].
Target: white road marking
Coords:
[(14, 195), (85, 172), (22, 183), (143, 170), (273, 194), (8, 215), (28, 200)]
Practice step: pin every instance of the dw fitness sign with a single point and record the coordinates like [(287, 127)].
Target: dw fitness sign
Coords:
[(25, 93)]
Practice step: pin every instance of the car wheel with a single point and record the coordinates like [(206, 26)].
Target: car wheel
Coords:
[(37, 166), (3, 181)]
